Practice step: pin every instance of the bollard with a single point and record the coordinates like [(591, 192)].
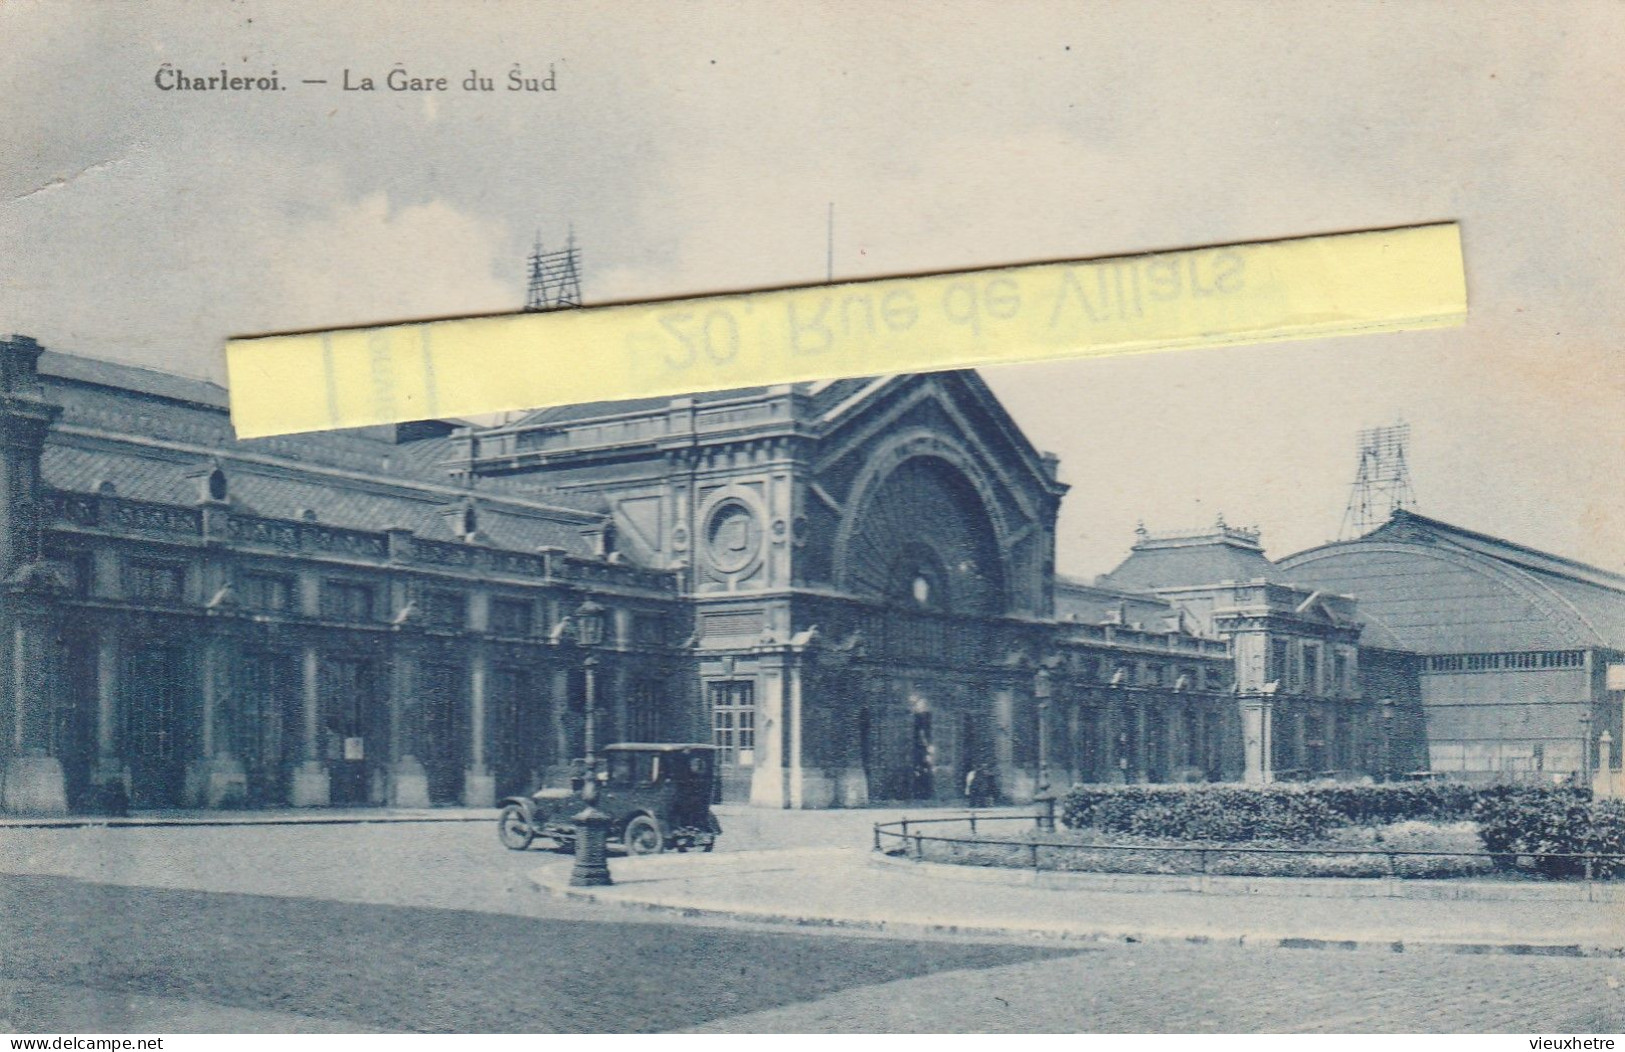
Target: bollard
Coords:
[(1035, 856), (877, 836), (919, 847), (973, 823)]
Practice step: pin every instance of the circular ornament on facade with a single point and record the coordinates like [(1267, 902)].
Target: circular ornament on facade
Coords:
[(732, 537), (781, 529), (679, 538)]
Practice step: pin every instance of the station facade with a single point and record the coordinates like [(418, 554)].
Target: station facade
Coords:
[(848, 587)]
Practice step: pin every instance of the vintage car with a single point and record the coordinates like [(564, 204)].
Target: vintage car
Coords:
[(657, 796)]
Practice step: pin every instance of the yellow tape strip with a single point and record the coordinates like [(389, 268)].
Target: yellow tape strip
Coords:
[(1380, 281)]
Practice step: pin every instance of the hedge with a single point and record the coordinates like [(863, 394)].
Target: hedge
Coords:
[(1296, 814), (1543, 824), (1540, 824)]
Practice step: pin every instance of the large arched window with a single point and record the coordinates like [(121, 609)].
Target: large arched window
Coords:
[(922, 538)]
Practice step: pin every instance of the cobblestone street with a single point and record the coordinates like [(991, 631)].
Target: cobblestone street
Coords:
[(435, 927)]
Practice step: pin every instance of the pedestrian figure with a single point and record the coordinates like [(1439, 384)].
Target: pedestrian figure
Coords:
[(972, 789)]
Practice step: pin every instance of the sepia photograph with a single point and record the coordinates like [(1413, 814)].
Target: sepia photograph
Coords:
[(1240, 683)]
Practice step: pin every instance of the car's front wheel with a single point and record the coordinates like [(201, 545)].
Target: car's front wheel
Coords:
[(643, 837), (514, 829)]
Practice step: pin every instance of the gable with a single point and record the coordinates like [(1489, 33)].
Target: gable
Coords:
[(957, 404)]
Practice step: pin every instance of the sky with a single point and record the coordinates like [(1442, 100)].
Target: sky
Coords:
[(695, 148)]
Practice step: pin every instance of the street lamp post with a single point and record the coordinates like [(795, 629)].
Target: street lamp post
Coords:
[(592, 825), (1043, 797)]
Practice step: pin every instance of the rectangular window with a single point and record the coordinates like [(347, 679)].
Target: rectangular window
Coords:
[(347, 601), (733, 720), (643, 710), (1531, 659), (264, 591), (80, 567), (511, 617), (154, 580), (444, 609), (1279, 654), (649, 630)]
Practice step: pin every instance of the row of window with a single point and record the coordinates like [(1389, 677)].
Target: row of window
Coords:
[(1511, 660), (1303, 669), (164, 581), (1152, 674)]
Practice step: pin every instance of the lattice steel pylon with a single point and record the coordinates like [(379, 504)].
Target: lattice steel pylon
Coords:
[(555, 277), (1382, 484)]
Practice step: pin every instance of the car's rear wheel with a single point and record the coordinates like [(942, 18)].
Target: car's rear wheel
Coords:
[(514, 829), (643, 837)]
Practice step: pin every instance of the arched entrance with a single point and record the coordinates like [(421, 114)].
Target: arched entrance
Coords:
[(922, 544)]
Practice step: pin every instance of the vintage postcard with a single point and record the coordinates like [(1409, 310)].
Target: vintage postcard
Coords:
[(483, 678)]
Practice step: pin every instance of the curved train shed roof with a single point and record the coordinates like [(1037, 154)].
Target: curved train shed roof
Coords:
[(1434, 588)]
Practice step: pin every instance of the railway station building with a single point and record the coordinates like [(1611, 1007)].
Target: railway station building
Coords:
[(848, 587)]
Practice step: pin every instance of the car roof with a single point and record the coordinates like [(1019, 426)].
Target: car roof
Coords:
[(656, 747)]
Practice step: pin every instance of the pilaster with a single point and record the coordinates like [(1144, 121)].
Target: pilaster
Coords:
[(769, 783), (311, 785), (1257, 718)]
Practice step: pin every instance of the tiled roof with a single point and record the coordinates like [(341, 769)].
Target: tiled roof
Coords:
[(132, 378), (269, 491), (565, 414), (1205, 561), (824, 395), (148, 433)]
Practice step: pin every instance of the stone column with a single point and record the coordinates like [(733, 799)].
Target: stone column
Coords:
[(1074, 738), (810, 785), (311, 786), (1603, 783), (479, 786), (1257, 717), (1114, 728), (109, 770), (215, 777), (33, 780), (1015, 781), (408, 781), (852, 779), (1141, 769), (769, 782), (564, 747), (25, 417)]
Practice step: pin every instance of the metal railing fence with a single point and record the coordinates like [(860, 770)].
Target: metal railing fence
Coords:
[(908, 837)]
